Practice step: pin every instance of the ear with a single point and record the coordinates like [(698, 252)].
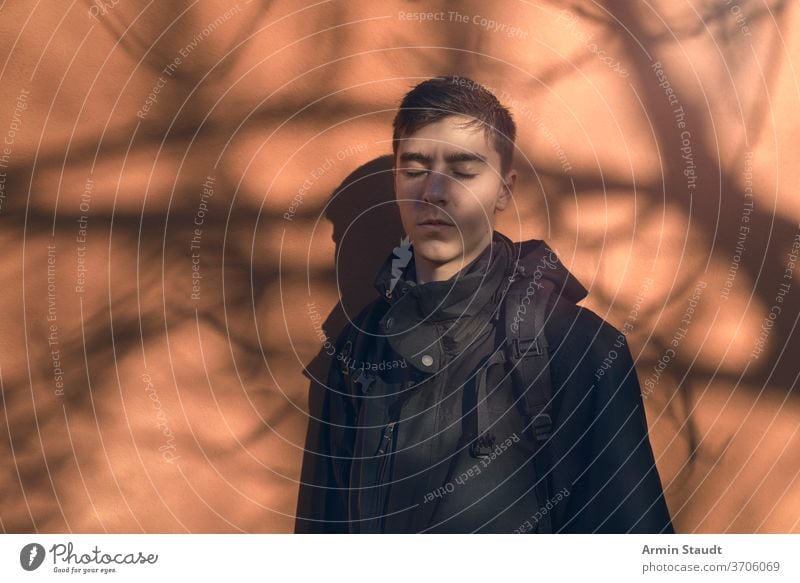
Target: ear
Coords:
[(506, 190)]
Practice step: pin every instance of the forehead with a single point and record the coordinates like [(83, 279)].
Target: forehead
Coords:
[(449, 135)]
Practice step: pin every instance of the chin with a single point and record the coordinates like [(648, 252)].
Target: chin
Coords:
[(437, 251)]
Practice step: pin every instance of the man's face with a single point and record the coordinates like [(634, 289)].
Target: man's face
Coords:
[(448, 173)]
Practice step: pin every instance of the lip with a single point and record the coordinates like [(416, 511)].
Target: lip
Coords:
[(435, 226), (435, 223)]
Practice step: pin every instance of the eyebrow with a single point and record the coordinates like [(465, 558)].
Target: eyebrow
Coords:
[(450, 158)]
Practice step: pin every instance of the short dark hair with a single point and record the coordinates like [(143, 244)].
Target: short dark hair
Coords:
[(441, 97)]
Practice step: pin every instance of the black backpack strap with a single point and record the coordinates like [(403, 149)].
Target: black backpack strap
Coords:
[(525, 311)]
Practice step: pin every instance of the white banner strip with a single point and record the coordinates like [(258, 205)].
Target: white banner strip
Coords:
[(399, 558)]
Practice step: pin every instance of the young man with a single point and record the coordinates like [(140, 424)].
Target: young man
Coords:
[(447, 409)]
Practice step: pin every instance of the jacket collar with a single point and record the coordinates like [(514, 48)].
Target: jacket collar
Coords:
[(428, 323)]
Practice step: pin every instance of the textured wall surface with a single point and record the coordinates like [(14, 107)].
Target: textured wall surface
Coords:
[(188, 190)]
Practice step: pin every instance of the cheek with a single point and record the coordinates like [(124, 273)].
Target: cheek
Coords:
[(407, 209), (406, 190), (480, 195)]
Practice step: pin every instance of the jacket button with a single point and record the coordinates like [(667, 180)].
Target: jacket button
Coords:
[(389, 323), (427, 360)]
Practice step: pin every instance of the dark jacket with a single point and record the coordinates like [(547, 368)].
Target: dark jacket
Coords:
[(391, 453)]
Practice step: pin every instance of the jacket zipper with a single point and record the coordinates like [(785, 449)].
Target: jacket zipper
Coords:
[(386, 441), (385, 449)]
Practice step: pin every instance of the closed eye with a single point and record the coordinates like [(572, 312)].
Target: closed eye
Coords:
[(417, 173)]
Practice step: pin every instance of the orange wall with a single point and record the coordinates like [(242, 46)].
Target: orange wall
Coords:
[(133, 401)]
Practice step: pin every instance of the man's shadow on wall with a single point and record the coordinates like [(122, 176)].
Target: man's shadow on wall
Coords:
[(366, 227)]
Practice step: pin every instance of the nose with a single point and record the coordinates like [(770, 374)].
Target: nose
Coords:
[(435, 189)]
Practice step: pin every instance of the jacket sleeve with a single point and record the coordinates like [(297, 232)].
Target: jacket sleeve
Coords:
[(323, 492), (621, 490)]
